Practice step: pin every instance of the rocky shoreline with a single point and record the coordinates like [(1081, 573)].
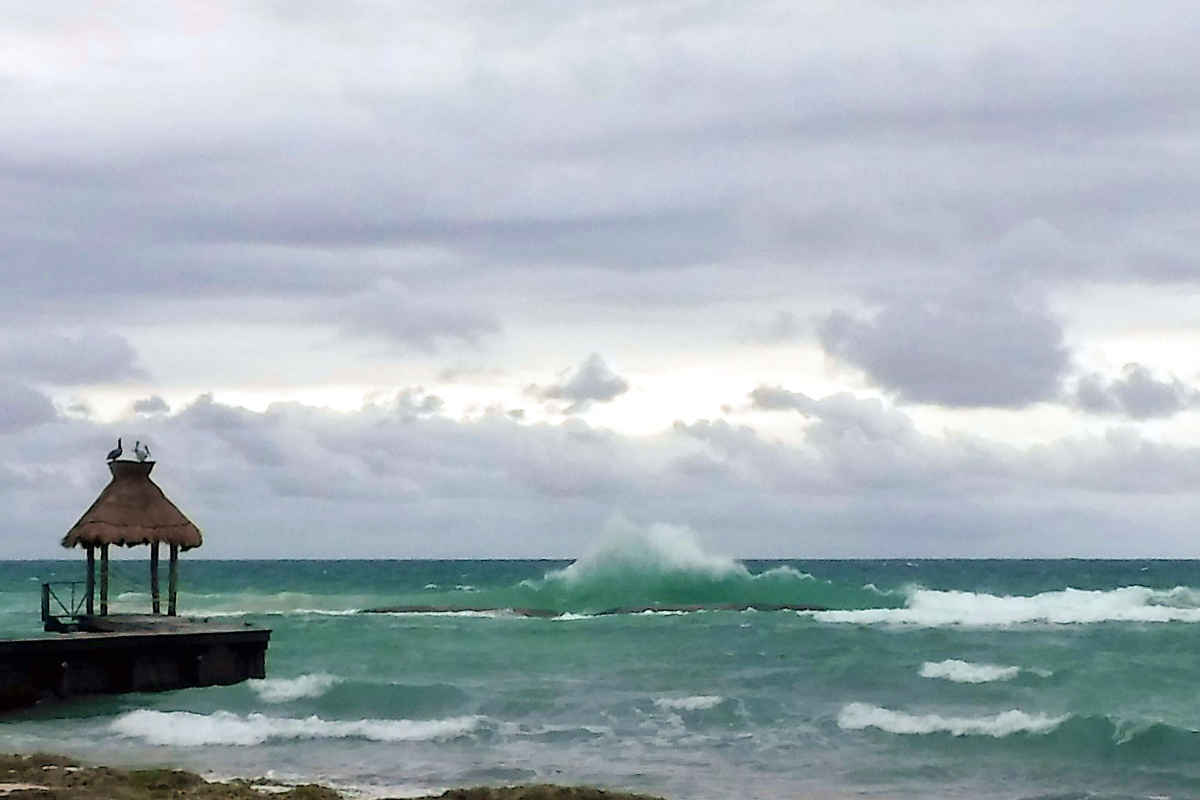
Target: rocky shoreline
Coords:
[(50, 777)]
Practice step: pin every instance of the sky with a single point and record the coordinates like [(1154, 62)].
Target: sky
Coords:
[(476, 279)]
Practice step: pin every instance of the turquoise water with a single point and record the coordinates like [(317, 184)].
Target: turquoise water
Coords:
[(980, 679)]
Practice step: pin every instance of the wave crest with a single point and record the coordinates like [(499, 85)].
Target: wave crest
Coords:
[(634, 566), (285, 690), (952, 669), (187, 729), (858, 716), (935, 607), (699, 702)]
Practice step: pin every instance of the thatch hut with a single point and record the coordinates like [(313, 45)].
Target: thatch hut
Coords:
[(132, 510)]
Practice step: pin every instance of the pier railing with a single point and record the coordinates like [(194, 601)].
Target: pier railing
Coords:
[(69, 597)]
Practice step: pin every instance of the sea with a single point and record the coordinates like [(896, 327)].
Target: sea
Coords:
[(919, 679)]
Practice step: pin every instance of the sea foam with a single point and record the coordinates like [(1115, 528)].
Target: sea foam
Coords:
[(958, 671), (857, 716), (186, 729), (284, 690), (699, 702), (1126, 604)]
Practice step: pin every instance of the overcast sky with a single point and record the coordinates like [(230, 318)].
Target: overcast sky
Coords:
[(473, 279)]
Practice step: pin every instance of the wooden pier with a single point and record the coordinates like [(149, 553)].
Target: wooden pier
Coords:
[(129, 653)]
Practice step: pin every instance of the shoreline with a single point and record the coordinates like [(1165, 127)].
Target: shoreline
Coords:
[(45, 776)]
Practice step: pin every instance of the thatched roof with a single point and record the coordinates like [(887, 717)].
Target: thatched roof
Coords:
[(133, 510)]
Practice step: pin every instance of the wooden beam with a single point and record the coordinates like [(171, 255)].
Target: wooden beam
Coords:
[(173, 580), (103, 579), (154, 576), (91, 579)]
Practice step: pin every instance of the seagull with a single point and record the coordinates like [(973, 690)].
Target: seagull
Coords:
[(141, 451), (115, 453)]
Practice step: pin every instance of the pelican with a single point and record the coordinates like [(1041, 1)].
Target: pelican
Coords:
[(115, 453), (142, 451)]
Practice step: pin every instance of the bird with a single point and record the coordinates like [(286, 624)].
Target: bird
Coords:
[(115, 453), (142, 451)]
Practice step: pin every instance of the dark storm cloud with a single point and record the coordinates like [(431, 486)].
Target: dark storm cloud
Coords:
[(88, 357), (1137, 394), (970, 349), (592, 382)]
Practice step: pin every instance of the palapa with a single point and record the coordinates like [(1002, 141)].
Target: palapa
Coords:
[(132, 510)]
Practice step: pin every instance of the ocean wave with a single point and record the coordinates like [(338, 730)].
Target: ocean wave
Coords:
[(699, 702), (187, 729), (285, 690), (934, 608), (634, 566), (958, 671), (858, 716), (211, 613)]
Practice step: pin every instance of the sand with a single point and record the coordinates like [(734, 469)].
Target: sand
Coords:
[(49, 777)]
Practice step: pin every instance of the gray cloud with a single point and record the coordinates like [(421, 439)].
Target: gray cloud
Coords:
[(23, 407), (1137, 394), (970, 349), (783, 326), (88, 357), (921, 151), (861, 480), (602, 166), (398, 315), (776, 398), (591, 382), (151, 405)]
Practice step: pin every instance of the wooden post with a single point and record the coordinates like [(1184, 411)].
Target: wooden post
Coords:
[(154, 576), (45, 602), (103, 579), (91, 579), (173, 580)]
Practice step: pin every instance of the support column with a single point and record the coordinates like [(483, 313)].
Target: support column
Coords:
[(103, 579), (173, 580), (91, 579), (154, 576)]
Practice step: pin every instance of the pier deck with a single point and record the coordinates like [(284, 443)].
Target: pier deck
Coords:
[(130, 653)]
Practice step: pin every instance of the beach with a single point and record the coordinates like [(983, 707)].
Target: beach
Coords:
[(46, 776)]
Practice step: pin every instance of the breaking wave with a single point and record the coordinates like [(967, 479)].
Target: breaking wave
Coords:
[(700, 702), (1126, 604), (858, 716), (285, 690), (668, 565), (1077, 737), (187, 729), (958, 671)]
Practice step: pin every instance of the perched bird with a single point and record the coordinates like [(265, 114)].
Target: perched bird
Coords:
[(142, 451), (115, 453)]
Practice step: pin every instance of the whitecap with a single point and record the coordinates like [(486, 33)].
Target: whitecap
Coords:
[(858, 716), (284, 690), (698, 702), (938, 607), (187, 729), (952, 669)]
